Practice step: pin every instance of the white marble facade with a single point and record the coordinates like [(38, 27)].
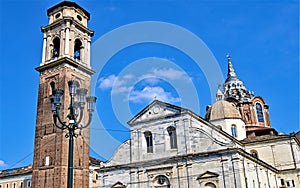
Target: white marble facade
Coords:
[(173, 147)]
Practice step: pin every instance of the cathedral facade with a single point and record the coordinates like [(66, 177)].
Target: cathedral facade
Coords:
[(234, 146)]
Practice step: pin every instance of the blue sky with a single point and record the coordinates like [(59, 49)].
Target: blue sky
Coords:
[(261, 36)]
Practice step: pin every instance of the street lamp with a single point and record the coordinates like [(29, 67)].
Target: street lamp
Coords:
[(76, 108)]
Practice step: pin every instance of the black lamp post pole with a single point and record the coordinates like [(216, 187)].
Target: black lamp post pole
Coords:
[(74, 120), (70, 159)]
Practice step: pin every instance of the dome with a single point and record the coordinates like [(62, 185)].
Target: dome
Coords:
[(222, 110)]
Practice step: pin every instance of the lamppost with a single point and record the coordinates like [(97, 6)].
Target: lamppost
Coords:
[(76, 108)]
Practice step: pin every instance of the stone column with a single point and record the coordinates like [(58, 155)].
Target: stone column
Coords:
[(67, 44), (48, 52), (88, 46), (44, 49)]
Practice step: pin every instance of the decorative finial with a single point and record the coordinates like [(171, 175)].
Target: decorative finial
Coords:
[(228, 57), (219, 94)]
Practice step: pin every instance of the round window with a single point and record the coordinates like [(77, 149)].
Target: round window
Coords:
[(79, 17), (161, 180), (57, 15)]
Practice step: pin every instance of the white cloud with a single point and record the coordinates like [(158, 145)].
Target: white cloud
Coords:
[(106, 82), (2, 163), (121, 85), (167, 74), (150, 93), (171, 74), (128, 76), (124, 84), (121, 89)]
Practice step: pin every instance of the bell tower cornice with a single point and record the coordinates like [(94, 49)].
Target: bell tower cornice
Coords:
[(67, 22), (65, 60)]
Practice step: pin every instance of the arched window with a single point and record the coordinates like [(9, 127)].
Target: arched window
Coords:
[(210, 185), (56, 47), (149, 140), (77, 47), (52, 85), (173, 137), (259, 112), (47, 161), (233, 131), (247, 117)]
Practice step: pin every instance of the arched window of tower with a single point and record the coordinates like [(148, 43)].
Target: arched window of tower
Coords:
[(77, 49), (52, 85), (56, 47)]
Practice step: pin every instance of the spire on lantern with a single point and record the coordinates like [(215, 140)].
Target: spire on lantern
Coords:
[(230, 72), (233, 86)]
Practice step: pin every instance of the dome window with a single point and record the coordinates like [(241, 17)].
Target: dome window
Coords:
[(259, 112), (233, 131)]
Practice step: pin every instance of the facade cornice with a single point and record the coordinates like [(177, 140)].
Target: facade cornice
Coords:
[(264, 139), (257, 160), (183, 158)]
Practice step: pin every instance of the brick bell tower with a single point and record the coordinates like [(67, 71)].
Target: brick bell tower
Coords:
[(66, 56)]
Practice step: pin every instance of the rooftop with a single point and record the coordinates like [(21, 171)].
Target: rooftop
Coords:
[(16, 171)]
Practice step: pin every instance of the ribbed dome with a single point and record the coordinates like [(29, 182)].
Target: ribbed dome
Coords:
[(222, 110)]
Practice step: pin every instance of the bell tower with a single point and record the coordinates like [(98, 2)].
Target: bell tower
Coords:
[(65, 57)]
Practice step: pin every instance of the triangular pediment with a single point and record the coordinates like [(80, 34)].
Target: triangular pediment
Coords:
[(156, 110), (118, 185), (207, 175)]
